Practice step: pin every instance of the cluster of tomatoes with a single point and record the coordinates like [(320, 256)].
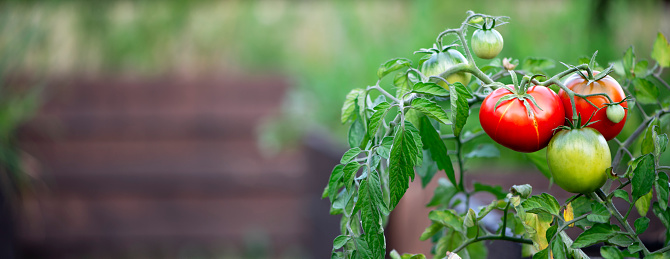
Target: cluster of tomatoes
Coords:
[(530, 118)]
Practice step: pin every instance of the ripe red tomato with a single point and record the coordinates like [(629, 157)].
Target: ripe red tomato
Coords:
[(606, 85), (511, 126)]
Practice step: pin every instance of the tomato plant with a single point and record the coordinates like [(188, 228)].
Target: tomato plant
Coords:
[(594, 106), (578, 160), (524, 121), (395, 137)]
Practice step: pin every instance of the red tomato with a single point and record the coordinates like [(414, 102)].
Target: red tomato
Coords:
[(605, 85), (510, 125)]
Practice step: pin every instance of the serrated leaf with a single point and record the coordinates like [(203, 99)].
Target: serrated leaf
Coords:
[(430, 88), (447, 218), (660, 144), (377, 117), (374, 187), (634, 248), (438, 151), (663, 215), (349, 105), (558, 248), (460, 110), (362, 248), (599, 213), (610, 252), (401, 166), (430, 109), (621, 194), (497, 190), (393, 65), (350, 173), (431, 231), (384, 150), (543, 254), (538, 65), (444, 192), (402, 83), (371, 220), (643, 177), (350, 154), (340, 241), (470, 219), (523, 190), (645, 91), (539, 159), (641, 225), (484, 151), (542, 203), (596, 234), (662, 189), (418, 145), (356, 133), (661, 51), (629, 62), (449, 242), (334, 181)]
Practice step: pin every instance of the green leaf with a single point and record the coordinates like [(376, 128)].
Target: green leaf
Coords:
[(334, 181), (443, 194), (393, 65), (620, 240), (430, 88), (447, 218), (641, 69), (599, 213), (460, 110), (558, 248), (356, 133), (384, 150), (402, 83), (621, 194), (647, 143), (596, 234), (661, 185), (401, 167), (663, 215), (377, 117), (641, 225), (634, 248), (418, 145), (484, 151), (661, 51), (363, 248), (470, 219), (449, 242), (645, 91), (643, 177), (438, 151), (340, 241), (350, 173), (522, 190), (350, 104), (544, 254), (660, 144), (431, 231), (497, 190), (430, 109), (542, 203), (642, 204), (427, 170), (629, 62), (350, 154), (374, 187), (371, 219), (610, 252), (538, 65), (539, 159)]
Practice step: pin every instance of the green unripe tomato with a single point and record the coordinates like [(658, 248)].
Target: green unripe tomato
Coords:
[(615, 113), (487, 43), (440, 62), (578, 159)]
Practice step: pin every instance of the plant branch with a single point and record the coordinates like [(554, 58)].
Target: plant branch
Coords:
[(387, 94), (598, 196), (493, 237)]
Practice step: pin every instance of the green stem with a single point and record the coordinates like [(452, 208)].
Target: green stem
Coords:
[(384, 92), (599, 196), (461, 181), (493, 237), (662, 250)]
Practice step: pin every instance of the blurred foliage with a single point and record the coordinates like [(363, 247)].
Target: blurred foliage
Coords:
[(326, 47)]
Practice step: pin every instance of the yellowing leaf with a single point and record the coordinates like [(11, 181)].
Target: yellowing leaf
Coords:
[(661, 51), (568, 214)]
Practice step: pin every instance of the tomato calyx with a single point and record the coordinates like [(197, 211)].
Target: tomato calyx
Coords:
[(520, 91), (485, 22)]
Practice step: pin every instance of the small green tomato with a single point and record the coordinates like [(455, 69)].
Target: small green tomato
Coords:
[(615, 113), (487, 43), (440, 62)]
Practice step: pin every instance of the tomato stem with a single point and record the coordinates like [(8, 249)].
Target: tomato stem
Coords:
[(600, 197)]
